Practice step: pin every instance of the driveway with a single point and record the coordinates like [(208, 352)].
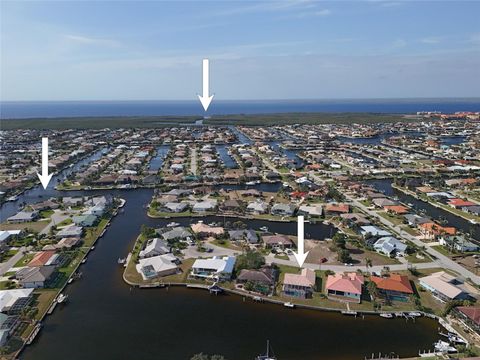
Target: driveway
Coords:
[(5, 266)]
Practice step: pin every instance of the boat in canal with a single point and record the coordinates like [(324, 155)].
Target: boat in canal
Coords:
[(444, 347), (267, 355), (62, 298), (173, 224), (386, 315), (289, 305)]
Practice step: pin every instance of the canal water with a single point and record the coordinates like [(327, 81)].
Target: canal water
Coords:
[(385, 186), (105, 319), (157, 161)]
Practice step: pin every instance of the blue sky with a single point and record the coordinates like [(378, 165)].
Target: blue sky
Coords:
[(297, 49)]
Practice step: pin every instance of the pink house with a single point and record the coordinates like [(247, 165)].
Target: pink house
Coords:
[(345, 287)]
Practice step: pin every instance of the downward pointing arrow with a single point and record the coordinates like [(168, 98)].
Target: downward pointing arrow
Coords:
[(301, 255), (44, 178), (205, 99)]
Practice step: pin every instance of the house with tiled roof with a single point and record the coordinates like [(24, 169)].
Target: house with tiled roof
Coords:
[(394, 286), (299, 285), (432, 230), (469, 316), (460, 203), (345, 287), (43, 258)]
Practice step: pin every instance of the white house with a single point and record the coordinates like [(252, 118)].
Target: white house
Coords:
[(154, 247), (216, 268), (156, 266)]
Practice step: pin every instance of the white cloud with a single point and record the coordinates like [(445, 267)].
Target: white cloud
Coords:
[(80, 39)]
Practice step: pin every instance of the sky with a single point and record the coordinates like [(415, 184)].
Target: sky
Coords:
[(294, 49)]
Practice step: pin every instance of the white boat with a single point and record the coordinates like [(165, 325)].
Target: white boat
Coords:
[(84, 261), (472, 221), (12, 198), (454, 338), (121, 261), (285, 185), (415, 314), (62, 298), (92, 248), (264, 228), (70, 280), (289, 305), (173, 224), (386, 315), (250, 183), (444, 347)]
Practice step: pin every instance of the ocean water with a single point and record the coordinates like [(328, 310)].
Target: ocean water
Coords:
[(32, 109)]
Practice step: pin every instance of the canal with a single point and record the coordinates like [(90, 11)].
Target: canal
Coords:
[(105, 319)]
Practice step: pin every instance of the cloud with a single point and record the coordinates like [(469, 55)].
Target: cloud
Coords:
[(80, 39), (271, 6), (430, 40)]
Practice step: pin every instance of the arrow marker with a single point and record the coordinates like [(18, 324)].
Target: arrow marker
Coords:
[(44, 178), (205, 99), (301, 255)]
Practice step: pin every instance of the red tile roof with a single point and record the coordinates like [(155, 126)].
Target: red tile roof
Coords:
[(395, 282), (41, 258), (472, 312)]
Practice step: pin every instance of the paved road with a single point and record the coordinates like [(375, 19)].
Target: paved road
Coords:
[(5, 266), (191, 251), (193, 161), (442, 260), (55, 219)]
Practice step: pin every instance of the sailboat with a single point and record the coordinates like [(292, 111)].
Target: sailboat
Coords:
[(267, 356)]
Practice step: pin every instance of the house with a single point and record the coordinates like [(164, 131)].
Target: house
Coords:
[(337, 208), (85, 220), (231, 205), (175, 207), (390, 246), (414, 220), (443, 285), (216, 268), (475, 210), (459, 203), (203, 206), (262, 279), (14, 300), (371, 231), (299, 285), (432, 230), (34, 277), (70, 231), (177, 233), (23, 217), (283, 209), (354, 219), (277, 241), (396, 209), (154, 247), (44, 258), (8, 324), (249, 235), (257, 207), (382, 202), (395, 286), (67, 242), (157, 266), (310, 210), (203, 229), (72, 201), (469, 316), (345, 287), (458, 243)]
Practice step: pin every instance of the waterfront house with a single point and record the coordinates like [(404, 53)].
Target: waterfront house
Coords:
[(299, 285), (216, 268), (277, 241), (262, 280), (8, 325), (469, 317), (283, 209), (14, 300), (157, 266), (85, 220), (415, 220), (460, 203), (432, 230), (393, 286), (257, 207), (23, 217), (345, 287), (72, 201), (396, 209), (390, 246), (443, 286), (34, 277), (382, 202), (154, 247), (310, 210), (177, 233), (249, 235), (202, 229), (70, 231), (67, 243), (354, 220), (175, 207), (44, 258), (96, 210), (204, 206), (231, 206)]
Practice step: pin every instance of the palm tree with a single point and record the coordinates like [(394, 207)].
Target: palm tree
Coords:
[(368, 263)]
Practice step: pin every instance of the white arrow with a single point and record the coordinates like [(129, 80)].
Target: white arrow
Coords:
[(44, 178), (205, 99), (301, 255)]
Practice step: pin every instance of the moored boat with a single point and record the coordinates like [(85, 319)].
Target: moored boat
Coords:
[(62, 298), (289, 305), (386, 315)]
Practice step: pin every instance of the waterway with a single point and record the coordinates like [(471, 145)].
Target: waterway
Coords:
[(105, 319), (385, 186), (157, 161)]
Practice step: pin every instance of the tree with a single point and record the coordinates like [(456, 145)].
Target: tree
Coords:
[(368, 263), (344, 256), (372, 289), (251, 259), (340, 240)]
